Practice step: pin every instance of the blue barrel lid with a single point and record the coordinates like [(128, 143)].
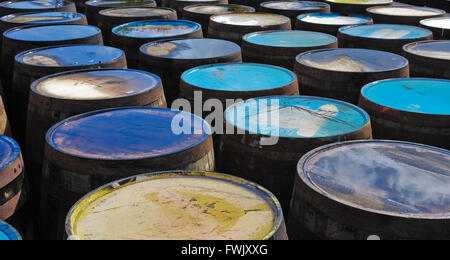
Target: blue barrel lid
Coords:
[(35, 4), (386, 177), (156, 28), (7, 232), (190, 48), (295, 5), (386, 31), (119, 3), (9, 151), (334, 19), (297, 116), (431, 49), (128, 133), (48, 33), (239, 77), (43, 17), (417, 95), (287, 38)]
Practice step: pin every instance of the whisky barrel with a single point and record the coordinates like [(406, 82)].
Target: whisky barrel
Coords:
[(5, 128), (372, 189), (112, 17), (131, 36), (341, 73), (8, 233), (252, 3), (89, 150), (182, 206), (270, 134), (329, 22), (18, 6), (411, 15), (429, 59), (95, 6), (179, 5), (170, 58), (355, 6), (234, 26), (415, 110), (384, 37), (202, 13), (281, 47), (292, 9), (439, 26)]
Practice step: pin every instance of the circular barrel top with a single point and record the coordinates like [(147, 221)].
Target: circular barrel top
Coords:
[(9, 151), (386, 31), (406, 11), (416, 95), (44, 17), (288, 38), (118, 3), (50, 33), (297, 117), (250, 19), (437, 23), (136, 12), (70, 56), (239, 77), (156, 28), (295, 5), (218, 9), (352, 60), (179, 205), (361, 2), (439, 50), (334, 19), (7, 232), (35, 4), (386, 177), (127, 133)]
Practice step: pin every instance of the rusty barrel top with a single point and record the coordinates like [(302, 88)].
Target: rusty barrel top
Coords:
[(211, 9), (130, 12), (431, 51), (392, 178), (307, 6), (385, 32), (155, 29), (439, 26), (403, 14), (43, 18), (119, 3), (250, 19), (52, 33), (290, 39), (7, 232)]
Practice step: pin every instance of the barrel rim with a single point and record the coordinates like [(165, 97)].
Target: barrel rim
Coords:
[(422, 22), (187, 8), (104, 11), (439, 12), (5, 18), (12, 234), (246, 37), (195, 28), (301, 174), (359, 4), (18, 28), (341, 32), (143, 2), (5, 3), (280, 22), (406, 49), (15, 150), (320, 5), (278, 219), (367, 19)]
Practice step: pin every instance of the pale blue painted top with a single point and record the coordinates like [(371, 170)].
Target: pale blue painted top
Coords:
[(119, 3), (35, 4), (386, 31), (156, 28), (44, 17), (7, 232), (239, 77), (290, 38), (426, 96), (52, 32), (334, 19), (9, 151), (297, 116)]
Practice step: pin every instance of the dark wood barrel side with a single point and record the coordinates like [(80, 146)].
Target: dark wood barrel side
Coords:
[(5, 127), (308, 22), (292, 9), (10, 7), (403, 14), (346, 8)]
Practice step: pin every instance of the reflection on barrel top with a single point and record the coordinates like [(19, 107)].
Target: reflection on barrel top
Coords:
[(136, 12), (218, 9), (250, 19), (360, 2), (153, 30), (404, 11)]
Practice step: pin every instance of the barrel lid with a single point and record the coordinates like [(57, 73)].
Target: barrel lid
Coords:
[(386, 177), (118, 3), (297, 117), (176, 205), (48, 33), (156, 28), (250, 19), (352, 60), (361, 2), (43, 17), (439, 22), (136, 11), (96, 84), (190, 48), (416, 95), (430, 49), (9, 151), (334, 19), (7, 232), (406, 11), (70, 56), (35, 4), (295, 5), (128, 133), (239, 77), (218, 9), (287, 38), (386, 31)]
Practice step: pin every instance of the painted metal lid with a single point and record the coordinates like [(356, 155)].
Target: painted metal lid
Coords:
[(295, 5), (405, 11), (136, 12), (156, 28), (44, 17), (386, 177), (250, 19), (297, 117), (361, 2), (7, 232), (439, 22), (190, 48), (49, 33), (334, 19), (386, 31), (70, 56), (290, 38), (9, 151), (430, 49), (128, 133), (239, 77), (35, 4), (416, 95), (119, 3), (218, 9), (352, 60), (176, 205)]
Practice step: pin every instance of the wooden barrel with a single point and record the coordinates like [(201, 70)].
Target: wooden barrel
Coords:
[(92, 149), (131, 36), (355, 6), (253, 3), (384, 37), (372, 190), (240, 210), (8, 233), (341, 73), (329, 22), (439, 26), (112, 17), (415, 110), (19, 6), (411, 15), (281, 47), (272, 133), (179, 5), (429, 59), (202, 13), (292, 9), (170, 58), (5, 128), (95, 6), (234, 26)]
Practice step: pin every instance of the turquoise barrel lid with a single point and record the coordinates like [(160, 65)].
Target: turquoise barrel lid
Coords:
[(386, 177), (49, 33), (119, 3), (239, 77), (35, 4), (334, 19), (386, 31), (156, 28), (7, 232), (297, 117), (295, 5), (431, 49), (128, 133), (287, 38), (9, 151), (44, 17), (416, 95)]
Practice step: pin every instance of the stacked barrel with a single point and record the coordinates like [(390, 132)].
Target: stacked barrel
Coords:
[(326, 120)]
